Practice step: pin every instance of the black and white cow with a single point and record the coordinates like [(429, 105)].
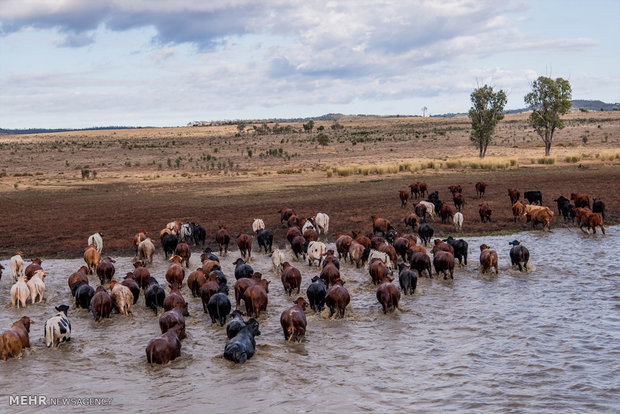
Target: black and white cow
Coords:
[(58, 328)]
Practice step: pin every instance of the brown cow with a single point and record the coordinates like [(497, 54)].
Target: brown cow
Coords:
[(32, 268), (485, 212), (311, 235), (92, 258), (480, 188), (411, 220), (182, 250), (256, 299), (402, 244), (455, 188), (139, 237), (16, 338), (377, 270), (446, 213), (133, 286), (208, 289), (420, 211), (174, 299), (404, 196), (165, 347), (389, 250), (175, 272), (422, 187), (357, 254), (222, 237), (293, 320), (195, 281), (330, 258), (592, 220), (542, 216), (141, 274), (241, 285), (291, 278), (244, 242), (419, 260), (209, 265), (292, 232), (77, 277), (488, 259), (514, 195), (518, 209), (337, 298), (101, 304), (443, 262), (106, 270), (329, 273), (171, 318), (285, 214), (581, 200), (361, 239), (342, 246), (299, 247), (379, 225), (459, 201), (295, 221), (388, 295), (441, 246), (415, 190)]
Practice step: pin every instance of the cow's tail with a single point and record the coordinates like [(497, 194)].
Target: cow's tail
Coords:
[(49, 334)]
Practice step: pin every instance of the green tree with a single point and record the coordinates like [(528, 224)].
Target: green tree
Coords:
[(308, 126), (549, 100), (486, 111), (322, 139)]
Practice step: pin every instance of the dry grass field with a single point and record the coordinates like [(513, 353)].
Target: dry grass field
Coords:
[(57, 188)]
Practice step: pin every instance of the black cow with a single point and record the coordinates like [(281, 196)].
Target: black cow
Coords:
[(265, 239), (208, 254), (425, 231), (598, 207), (169, 244), (565, 208), (519, 254), (219, 305), (534, 197), (235, 325), (316, 294), (83, 295), (221, 277), (391, 234), (154, 295), (407, 279), (460, 247), (199, 234), (242, 269), (241, 347)]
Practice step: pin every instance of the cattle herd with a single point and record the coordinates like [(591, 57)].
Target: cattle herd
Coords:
[(381, 251)]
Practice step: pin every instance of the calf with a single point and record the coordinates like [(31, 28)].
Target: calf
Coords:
[(169, 243), (235, 325), (174, 299), (37, 286), (337, 298), (17, 266), (241, 347), (182, 250), (316, 294), (83, 295), (291, 278), (388, 295), (460, 247), (20, 292), (242, 269), (485, 212), (265, 240), (533, 197), (488, 259), (122, 298), (57, 328), (165, 347), (404, 196), (97, 240), (101, 304), (407, 279), (171, 318), (444, 262), (519, 254), (244, 242), (106, 270), (459, 201), (15, 339), (154, 295), (293, 320), (425, 231), (219, 306), (481, 187)]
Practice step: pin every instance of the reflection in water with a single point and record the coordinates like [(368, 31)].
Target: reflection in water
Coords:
[(538, 341)]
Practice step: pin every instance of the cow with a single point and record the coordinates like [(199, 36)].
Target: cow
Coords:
[(518, 209), (16, 338), (379, 225), (402, 244), (316, 251), (210, 288), (285, 214), (337, 298), (242, 285), (293, 320), (174, 227), (460, 247), (265, 240), (17, 266), (358, 254), (242, 346), (407, 279), (404, 196), (186, 233), (377, 270), (91, 257), (222, 237), (295, 221), (519, 254), (581, 200), (311, 234), (165, 347), (430, 209), (77, 277), (533, 197), (291, 278), (425, 231), (316, 292), (292, 232), (146, 250), (174, 299), (329, 274), (455, 189), (256, 299), (32, 267), (58, 328), (457, 221), (199, 234), (420, 211), (219, 306), (480, 188), (171, 318), (122, 298), (342, 246), (592, 220), (384, 256), (244, 242), (415, 190), (419, 261), (36, 285), (411, 220), (258, 224), (132, 285), (195, 281), (598, 206), (137, 238), (96, 240), (459, 201), (169, 243), (20, 292), (538, 215), (183, 251), (277, 258), (514, 195), (83, 295), (488, 259), (236, 323), (106, 270), (299, 245), (175, 272), (446, 213), (444, 262), (485, 212), (242, 269), (154, 295), (321, 220), (388, 295), (101, 304), (141, 274), (422, 188)]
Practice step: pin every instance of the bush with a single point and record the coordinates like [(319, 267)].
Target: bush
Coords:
[(322, 139)]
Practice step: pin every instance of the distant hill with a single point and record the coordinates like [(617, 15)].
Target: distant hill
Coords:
[(52, 130)]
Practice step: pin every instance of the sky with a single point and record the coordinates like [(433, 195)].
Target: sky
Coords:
[(88, 63)]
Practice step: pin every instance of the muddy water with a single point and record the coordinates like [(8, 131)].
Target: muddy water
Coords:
[(547, 340)]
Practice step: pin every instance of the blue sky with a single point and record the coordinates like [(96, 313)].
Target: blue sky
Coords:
[(78, 63)]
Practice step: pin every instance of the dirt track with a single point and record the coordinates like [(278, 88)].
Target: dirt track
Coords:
[(51, 223)]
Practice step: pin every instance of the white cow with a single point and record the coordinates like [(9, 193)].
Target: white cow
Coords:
[(58, 328), (37, 286), (457, 220), (20, 292), (383, 256), (146, 250), (277, 258), (430, 208), (17, 266), (97, 240), (185, 233), (309, 224), (258, 224), (322, 223), (316, 251)]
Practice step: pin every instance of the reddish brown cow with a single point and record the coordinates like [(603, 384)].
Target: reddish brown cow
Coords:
[(389, 250), (291, 278), (404, 196), (244, 242), (172, 318), (592, 220), (141, 274), (419, 260), (106, 270), (441, 246), (518, 209), (356, 254), (285, 213), (361, 239), (378, 270), (337, 298), (133, 286), (183, 251), (446, 213), (256, 299), (379, 225), (295, 221), (388, 295), (208, 289), (32, 268), (411, 220), (415, 190), (402, 244), (299, 247), (292, 232), (15, 339), (329, 274), (209, 265), (420, 211), (311, 235), (293, 320), (91, 257), (444, 262), (139, 237), (485, 212), (174, 299), (77, 277), (423, 188), (342, 245), (459, 201), (222, 237), (242, 284), (514, 195), (165, 347), (480, 188), (330, 258), (581, 200), (540, 216), (195, 281), (101, 304), (455, 188), (488, 259), (175, 272)]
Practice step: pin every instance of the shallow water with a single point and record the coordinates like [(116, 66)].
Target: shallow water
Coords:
[(546, 340)]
